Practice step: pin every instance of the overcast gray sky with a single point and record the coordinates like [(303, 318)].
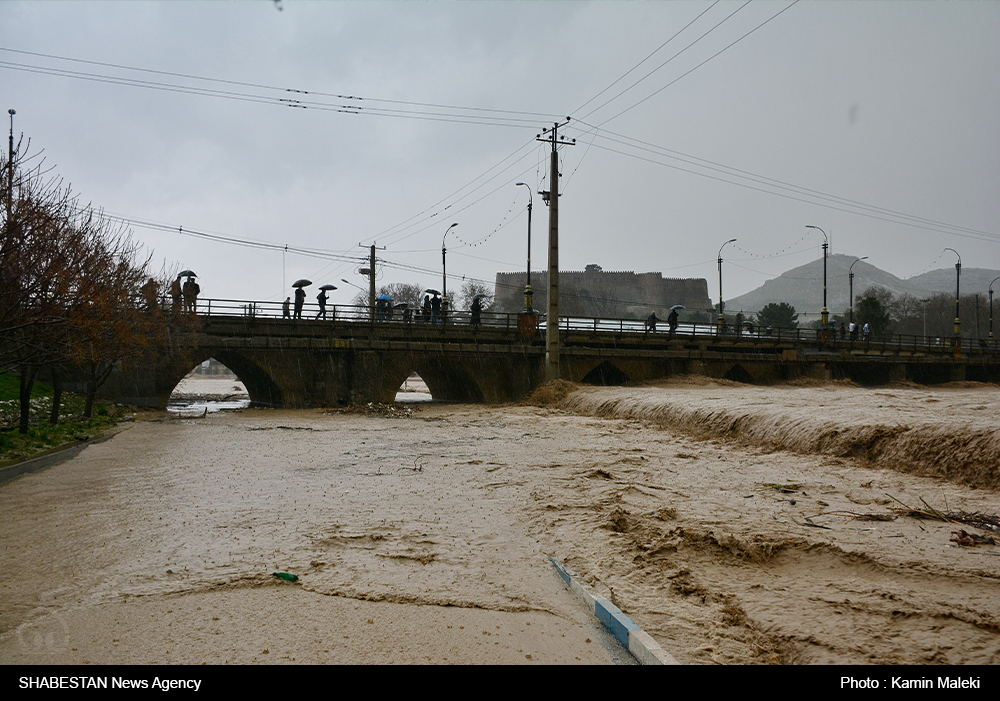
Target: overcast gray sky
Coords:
[(877, 122)]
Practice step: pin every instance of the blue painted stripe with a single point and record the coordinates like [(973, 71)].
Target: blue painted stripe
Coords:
[(562, 571), (614, 620)]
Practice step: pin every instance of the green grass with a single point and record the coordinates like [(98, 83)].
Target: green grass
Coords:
[(42, 436), (10, 388)]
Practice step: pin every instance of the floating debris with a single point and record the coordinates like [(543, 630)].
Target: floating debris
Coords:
[(971, 539), (984, 522), (396, 411)]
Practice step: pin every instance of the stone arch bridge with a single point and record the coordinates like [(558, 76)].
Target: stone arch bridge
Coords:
[(306, 363)]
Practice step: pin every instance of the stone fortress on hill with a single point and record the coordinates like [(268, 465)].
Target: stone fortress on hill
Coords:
[(596, 293)]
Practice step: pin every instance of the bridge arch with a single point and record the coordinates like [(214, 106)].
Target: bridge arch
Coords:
[(449, 380), (606, 373), (261, 387), (738, 373)]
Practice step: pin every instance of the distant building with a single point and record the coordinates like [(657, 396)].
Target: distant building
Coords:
[(597, 293)]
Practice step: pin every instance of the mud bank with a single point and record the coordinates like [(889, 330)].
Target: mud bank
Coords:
[(949, 432)]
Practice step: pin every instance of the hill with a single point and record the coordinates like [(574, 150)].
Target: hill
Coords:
[(802, 287)]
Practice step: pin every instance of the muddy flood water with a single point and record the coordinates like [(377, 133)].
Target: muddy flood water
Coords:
[(735, 524)]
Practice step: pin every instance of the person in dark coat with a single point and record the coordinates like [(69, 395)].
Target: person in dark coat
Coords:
[(321, 298), (191, 290), (672, 320), (477, 311), (300, 299), (286, 308), (175, 295), (435, 309), (651, 322), (151, 294)]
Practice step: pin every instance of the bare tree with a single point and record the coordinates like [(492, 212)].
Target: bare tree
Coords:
[(470, 289), (70, 282)]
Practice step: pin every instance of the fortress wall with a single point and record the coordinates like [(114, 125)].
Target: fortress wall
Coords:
[(609, 292)]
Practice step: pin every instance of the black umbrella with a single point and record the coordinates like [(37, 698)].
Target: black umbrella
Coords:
[(302, 283), (187, 273), (479, 296), (432, 292), (399, 305), (327, 287)]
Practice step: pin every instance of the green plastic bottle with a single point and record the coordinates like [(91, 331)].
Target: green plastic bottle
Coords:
[(286, 576)]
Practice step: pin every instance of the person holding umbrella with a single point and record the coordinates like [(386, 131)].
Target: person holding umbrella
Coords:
[(300, 297), (321, 298), (434, 304), (427, 308), (672, 319), (190, 290), (477, 309)]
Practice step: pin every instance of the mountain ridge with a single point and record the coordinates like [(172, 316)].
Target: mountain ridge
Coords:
[(802, 287)]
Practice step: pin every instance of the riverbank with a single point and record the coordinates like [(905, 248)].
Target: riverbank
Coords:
[(44, 439), (724, 546)]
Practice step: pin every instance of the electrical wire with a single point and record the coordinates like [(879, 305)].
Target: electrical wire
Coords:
[(692, 70), (826, 201), (355, 109)]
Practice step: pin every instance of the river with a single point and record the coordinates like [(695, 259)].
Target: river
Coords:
[(422, 534)]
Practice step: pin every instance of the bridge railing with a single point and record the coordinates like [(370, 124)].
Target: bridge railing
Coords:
[(349, 312), (510, 321)]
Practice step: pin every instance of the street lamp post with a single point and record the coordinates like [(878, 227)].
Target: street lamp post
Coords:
[(444, 269), (10, 166), (850, 279), (722, 321), (527, 288), (826, 246), (991, 308), (958, 318)]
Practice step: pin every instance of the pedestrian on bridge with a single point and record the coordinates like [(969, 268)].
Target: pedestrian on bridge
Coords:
[(300, 299), (651, 322), (435, 309), (286, 308), (672, 321), (321, 298), (175, 295), (477, 311), (191, 290)]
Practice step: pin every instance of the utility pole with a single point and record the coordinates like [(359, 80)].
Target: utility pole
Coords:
[(552, 314), (370, 272)]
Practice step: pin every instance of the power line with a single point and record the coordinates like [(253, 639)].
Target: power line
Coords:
[(295, 91), (762, 179), (723, 21), (800, 194), (623, 76), (458, 116), (689, 72)]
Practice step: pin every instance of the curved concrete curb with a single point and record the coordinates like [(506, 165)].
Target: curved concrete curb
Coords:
[(639, 642), (52, 458)]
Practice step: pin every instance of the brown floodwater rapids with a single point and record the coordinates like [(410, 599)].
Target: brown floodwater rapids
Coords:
[(735, 524)]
